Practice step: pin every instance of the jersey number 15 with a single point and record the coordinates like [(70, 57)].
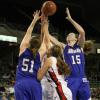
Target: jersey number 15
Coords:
[(76, 59)]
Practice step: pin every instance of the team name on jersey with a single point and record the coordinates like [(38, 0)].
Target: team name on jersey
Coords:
[(70, 51)]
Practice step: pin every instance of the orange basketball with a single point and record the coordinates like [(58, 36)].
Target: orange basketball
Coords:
[(48, 8)]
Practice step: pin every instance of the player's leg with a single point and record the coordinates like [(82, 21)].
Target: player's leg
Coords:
[(84, 90)]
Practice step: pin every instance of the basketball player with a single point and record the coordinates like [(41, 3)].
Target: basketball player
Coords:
[(57, 69), (54, 76), (27, 85), (47, 89), (74, 57)]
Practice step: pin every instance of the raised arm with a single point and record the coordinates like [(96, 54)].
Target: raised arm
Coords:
[(49, 38), (44, 38), (44, 48), (45, 31), (25, 42), (56, 42), (81, 38)]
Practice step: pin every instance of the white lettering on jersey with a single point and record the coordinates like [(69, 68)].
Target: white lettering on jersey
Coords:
[(74, 51)]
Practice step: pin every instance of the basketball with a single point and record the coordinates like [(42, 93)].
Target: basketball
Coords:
[(48, 8)]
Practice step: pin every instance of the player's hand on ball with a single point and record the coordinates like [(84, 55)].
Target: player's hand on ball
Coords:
[(43, 17), (48, 8)]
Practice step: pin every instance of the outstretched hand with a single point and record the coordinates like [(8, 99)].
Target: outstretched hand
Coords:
[(36, 15), (68, 14)]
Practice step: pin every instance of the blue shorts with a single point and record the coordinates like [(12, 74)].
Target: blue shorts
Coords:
[(80, 88), (28, 89)]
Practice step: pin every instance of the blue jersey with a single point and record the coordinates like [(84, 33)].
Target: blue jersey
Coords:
[(74, 57), (28, 65)]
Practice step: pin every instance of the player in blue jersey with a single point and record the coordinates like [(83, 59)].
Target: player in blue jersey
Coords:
[(27, 86), (74, 57)]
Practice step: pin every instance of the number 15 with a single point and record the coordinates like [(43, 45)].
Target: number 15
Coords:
[(76, 59)]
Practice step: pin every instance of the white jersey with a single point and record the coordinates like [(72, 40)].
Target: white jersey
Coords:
[(62, 92), (47, 89)]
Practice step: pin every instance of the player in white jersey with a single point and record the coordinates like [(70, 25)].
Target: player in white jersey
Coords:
[(55, 75), (87, 48), (57, 81), (56, 66), (47, 89)]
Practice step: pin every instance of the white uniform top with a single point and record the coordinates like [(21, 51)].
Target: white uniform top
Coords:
[(57, 80), (53, 71)]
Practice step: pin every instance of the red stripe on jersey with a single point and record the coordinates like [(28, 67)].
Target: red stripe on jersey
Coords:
[(60, 73), (59, 87)]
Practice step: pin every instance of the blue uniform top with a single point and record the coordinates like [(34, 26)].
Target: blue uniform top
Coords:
[(28, 65), (74, 57)]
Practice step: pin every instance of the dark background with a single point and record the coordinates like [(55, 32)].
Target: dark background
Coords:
[(85, 12)]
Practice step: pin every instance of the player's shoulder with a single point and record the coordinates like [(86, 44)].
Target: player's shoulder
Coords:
[(26, 51), (52, 58), (66, 47)]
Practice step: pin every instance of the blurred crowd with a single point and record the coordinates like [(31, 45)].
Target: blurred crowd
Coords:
[(7, 81), (95, 93), (7, 90)]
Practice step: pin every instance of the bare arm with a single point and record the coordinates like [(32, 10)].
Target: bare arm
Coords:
[(56, 42), (42, 71), (42, 49), (25, 42), (81, 38), (49, 38), (44, 38), (45, 32)]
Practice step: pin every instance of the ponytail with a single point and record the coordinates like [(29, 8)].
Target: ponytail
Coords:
[(62, 67)]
